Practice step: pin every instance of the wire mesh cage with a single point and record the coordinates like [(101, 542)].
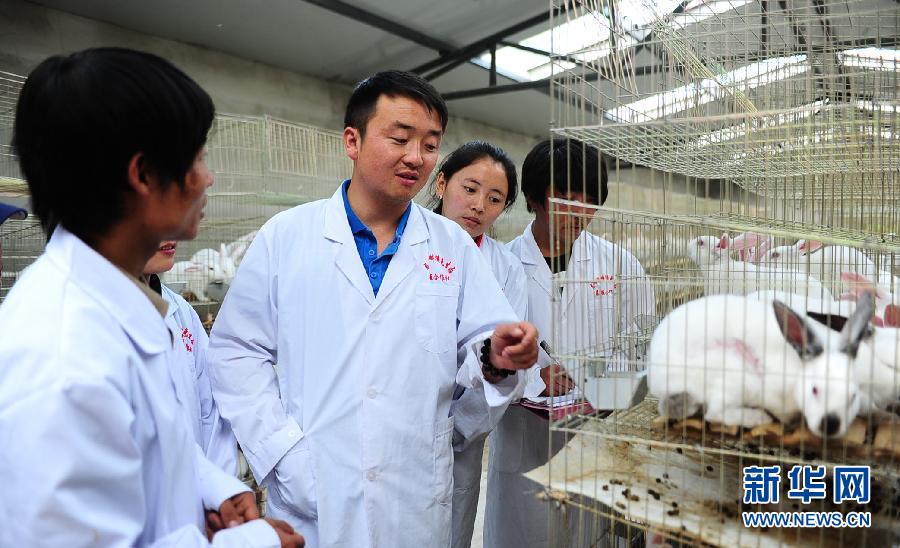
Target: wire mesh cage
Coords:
[(261, 166), (754, 160), (21, 242), (679, 477), (787, 99)]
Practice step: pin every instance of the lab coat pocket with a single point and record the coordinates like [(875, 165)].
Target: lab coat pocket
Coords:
[(295, 481), (443, 461), (436, 305)]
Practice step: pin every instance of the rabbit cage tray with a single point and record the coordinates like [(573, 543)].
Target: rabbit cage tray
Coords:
[(684, 479)]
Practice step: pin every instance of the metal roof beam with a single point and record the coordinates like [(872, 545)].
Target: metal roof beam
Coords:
[(463, 54), (392, 27)]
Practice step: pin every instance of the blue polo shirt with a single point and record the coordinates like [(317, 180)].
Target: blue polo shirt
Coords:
[(376, 265)]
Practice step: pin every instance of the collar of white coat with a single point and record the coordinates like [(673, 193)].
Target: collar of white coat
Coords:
[(111, 289), (532, 253), (169, 297), (337, 227)]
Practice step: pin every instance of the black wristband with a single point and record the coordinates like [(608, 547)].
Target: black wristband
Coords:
[(487, 367)]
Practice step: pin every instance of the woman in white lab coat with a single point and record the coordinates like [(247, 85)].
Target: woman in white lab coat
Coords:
[(91, 437), (475, 184), (585, 316), (188, 367)]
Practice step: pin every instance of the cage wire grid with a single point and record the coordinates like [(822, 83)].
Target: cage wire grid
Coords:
[(773, 118), (261, 165)]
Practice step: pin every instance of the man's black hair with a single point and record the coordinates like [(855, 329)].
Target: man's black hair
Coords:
[(572, 165), (392, 83), (469, 153), (82, 117)]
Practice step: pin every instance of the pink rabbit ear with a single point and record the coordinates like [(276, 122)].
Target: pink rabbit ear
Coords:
[(808, 246), (892, 316), (741, 243), (724, 241), (849, 276), (860, 284)]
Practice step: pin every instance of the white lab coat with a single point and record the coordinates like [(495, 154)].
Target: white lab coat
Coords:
[(585, 319), (347, 393), (472, 422), (192, 386), (92, 441)]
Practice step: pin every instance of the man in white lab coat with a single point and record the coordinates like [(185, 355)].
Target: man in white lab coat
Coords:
[(337, 350), (93, 442), (586, 313)]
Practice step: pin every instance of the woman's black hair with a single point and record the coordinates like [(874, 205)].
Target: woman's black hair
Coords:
[(469, 153), (573, 166), (82, 117)]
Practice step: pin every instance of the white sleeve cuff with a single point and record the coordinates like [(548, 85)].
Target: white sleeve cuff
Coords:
[(257, 534), (263, 457), (216, 485)]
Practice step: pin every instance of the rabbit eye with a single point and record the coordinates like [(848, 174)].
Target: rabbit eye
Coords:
[(700, 243), (815, 391), (776, 255)]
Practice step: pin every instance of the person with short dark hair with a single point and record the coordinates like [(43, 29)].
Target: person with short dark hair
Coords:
[(349, 325), (592, 303), (111, 143), (474, 185)]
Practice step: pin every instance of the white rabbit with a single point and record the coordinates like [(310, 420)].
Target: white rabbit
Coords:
[(236, 249), (220, 268), (193, 274), (877, 365), (722, 274), (824, 263), (711, 255), (742, 359)]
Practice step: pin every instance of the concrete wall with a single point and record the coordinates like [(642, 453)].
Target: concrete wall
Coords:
[(30, 32)]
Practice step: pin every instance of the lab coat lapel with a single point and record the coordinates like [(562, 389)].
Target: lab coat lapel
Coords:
[(408, 255), (337, 229), (577, 271), (534, 262)]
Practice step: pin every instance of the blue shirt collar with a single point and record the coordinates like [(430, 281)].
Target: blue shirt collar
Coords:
[(356, 224)]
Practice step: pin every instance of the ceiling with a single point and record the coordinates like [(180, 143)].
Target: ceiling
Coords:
[(302, 37)]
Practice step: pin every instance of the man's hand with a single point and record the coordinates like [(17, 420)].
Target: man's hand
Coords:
[(286, 534), (239, 509), (562, 382), (514, 346)]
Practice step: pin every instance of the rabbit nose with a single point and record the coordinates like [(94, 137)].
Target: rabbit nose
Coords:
[(831, 424)]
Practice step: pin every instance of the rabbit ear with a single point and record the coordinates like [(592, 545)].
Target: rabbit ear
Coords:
[(223, 256), (859, 284), (892, 316), (724, 241), (857, 326), (805, 247), (760, 251), (745, 243), (796, 332)]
